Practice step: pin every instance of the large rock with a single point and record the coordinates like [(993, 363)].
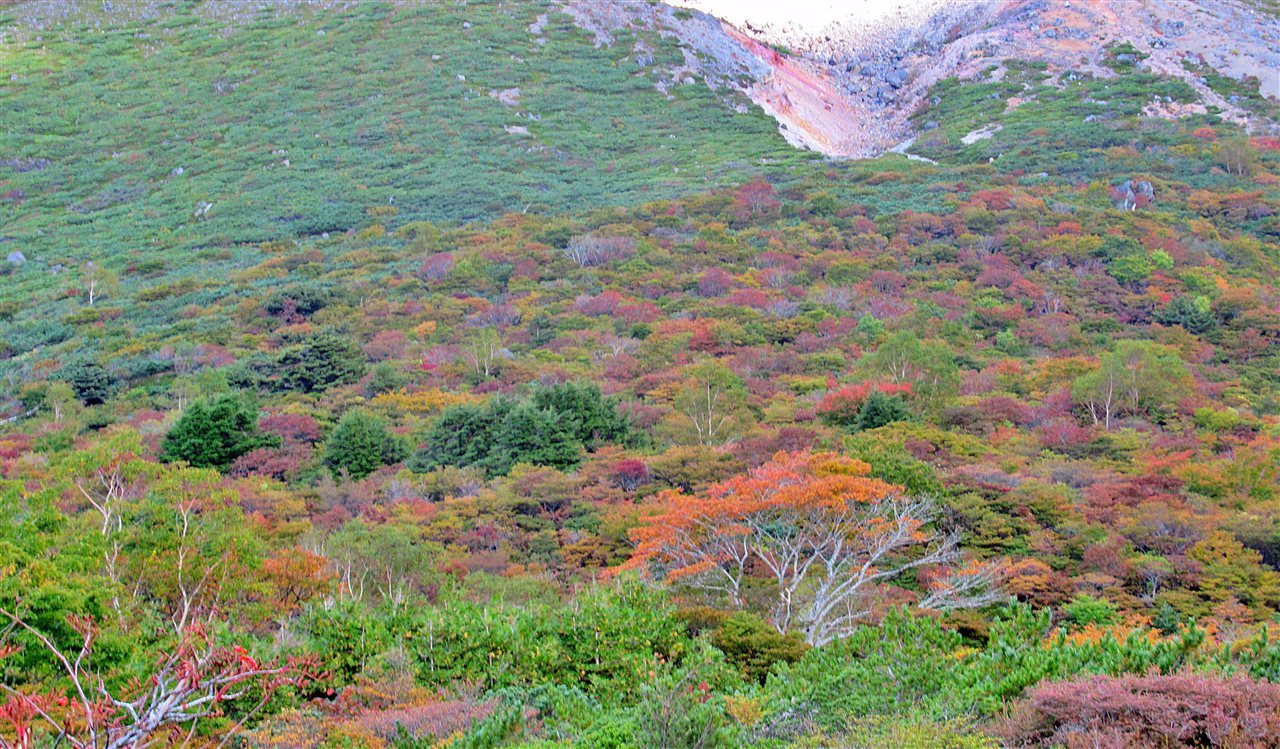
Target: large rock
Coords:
[(1135, 189)]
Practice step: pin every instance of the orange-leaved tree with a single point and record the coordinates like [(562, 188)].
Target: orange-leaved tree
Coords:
[(817, 536)]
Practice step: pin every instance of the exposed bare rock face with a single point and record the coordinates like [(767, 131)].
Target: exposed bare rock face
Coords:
[(812, 111), (848, 88), (711, 49), (803, 93)]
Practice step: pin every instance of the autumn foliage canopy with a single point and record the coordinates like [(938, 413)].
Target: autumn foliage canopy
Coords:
[(813, 535)]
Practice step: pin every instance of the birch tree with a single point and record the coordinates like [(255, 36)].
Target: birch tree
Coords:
[(711, 408)]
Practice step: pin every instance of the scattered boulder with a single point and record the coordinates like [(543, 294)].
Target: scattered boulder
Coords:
[(508, 96), (1134, 194), (16, 258), (981, 134)]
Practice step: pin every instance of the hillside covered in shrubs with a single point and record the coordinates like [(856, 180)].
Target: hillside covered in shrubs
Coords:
[(656, 433)]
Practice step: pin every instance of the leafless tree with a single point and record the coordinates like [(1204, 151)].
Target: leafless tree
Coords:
[(588, 250), (188, 683)]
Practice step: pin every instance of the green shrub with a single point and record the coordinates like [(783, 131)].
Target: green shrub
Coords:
[(891, 462), (89, 380), (1084, 610), (912, 664), (605, 643), (591, 418), (1195, 315), (212, 434), (361, 444), (1130, 269), (914, 732), (497, 435), (322, 362), (880, 409), (753, 646)]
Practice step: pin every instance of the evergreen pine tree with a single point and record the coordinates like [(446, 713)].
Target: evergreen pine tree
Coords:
[(529, 434), (1194, 315), (361, 444), (213, 434), (586, 413), (880, 409), (89, 380), (1167, 619), (319, 364), (462, 436)]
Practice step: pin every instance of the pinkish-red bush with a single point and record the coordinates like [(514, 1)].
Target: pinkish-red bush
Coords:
[(436, 267), (631, 474), (998, 271), (291, 427), (715, 282), (639, 312), (749, 298), (275, 462), (435, 720), (754, 451), (386, 344), (1000, 408), (1181, 710), (887, 281), (603, 303)]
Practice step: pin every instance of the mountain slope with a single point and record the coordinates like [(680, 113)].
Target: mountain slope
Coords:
[(181, 126), (854, 78), (966, 430)]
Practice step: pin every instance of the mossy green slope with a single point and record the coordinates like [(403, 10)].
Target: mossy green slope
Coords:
[(189, 130)]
